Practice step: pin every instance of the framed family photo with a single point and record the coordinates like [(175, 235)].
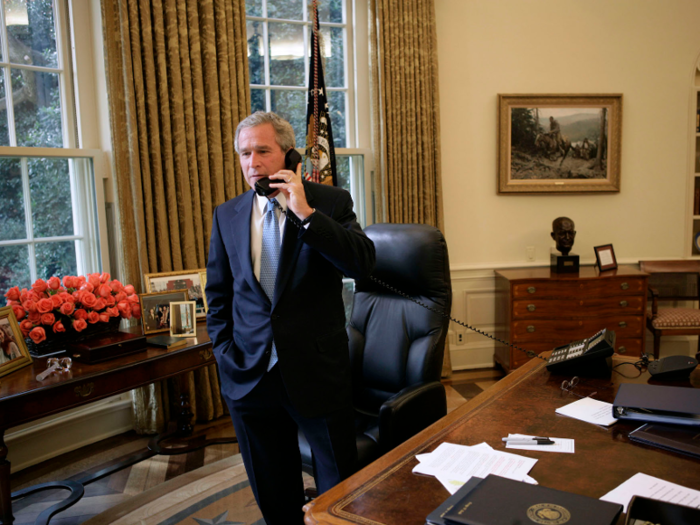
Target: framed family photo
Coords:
[(187, 279), (155, 309), (559, 143), (605, 257), (203, 283), (183, 322), (14, 353)]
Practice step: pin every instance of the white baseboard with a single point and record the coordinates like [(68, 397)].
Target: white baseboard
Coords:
[(49, 437)]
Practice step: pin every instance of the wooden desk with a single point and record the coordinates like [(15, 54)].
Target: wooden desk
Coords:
[(24, 399), (388, 493), (537, 309)]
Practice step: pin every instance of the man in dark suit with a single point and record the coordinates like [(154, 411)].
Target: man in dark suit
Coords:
[(277, 321)]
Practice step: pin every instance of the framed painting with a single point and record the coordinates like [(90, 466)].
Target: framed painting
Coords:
[(187, 279), (203, 284), (155, 309), (559, 143), (14, 353)]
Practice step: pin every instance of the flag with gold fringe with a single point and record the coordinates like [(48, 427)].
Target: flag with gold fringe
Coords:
[(319, 135)]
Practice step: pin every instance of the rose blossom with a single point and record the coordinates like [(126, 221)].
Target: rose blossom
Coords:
[(44, 306), (120, 296), (26, 327), (13, 294), (29, 305), (113, 311), (58, 327), (94, 279), (133, 299), (37, 335), (19, 312), (124, 309), (68, 281), (105, 290), (136, 310), (116, 286), (100, 304), (93, 317), (88, 299), (48, 319), (34, 317), (79, 325), (67, 308), (105, 277), (87, 287), (110, 301), (56, 300), (67, 298), (54, 283), (129, 289), (104, 317), (80, 314), (39, 286)]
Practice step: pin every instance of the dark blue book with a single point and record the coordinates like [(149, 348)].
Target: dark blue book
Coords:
[(502, 501), (436, 517)]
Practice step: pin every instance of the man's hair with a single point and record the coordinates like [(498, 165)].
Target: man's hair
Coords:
[(284, 133)]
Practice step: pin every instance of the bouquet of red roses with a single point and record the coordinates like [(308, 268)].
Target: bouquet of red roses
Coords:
[(75, 303)]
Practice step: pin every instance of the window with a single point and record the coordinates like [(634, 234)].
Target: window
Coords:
[(47, 192), (279, 39)]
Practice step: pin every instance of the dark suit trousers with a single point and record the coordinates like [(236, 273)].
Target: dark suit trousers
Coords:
[(266, 426)]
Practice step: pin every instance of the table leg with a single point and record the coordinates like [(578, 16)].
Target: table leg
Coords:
[(6, 517), (185, 415)]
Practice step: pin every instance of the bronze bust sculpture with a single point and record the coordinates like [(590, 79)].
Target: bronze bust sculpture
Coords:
[(563, 233)]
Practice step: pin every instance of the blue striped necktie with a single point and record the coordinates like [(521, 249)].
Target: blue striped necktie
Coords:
[(269, 260)]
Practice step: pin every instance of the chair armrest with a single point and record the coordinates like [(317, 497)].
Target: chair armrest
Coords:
[(410, 411)]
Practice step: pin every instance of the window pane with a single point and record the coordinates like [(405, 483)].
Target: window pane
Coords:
[(55, 258), (257, 100), (37, 104), (348, 297), (336, 108), (14, 268), (342, 167), (330, 11), (31, 35), (334, 69), (49, 184), (253, 7), (256, 52), (11, 201), (291, 105), (289, 9), (286, 54), (4, 134)]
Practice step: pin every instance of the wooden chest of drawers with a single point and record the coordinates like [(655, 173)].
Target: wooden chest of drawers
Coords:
[(538, 310)]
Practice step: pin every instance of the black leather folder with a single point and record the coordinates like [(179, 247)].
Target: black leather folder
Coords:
[(672, 405), (645, 510), (502, 501), (437, 517), (685, 440)]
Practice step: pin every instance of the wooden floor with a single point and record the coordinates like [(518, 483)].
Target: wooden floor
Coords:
[(120, 486)]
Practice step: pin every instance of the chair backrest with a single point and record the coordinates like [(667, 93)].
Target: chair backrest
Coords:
[(395, 343), (673, 280)]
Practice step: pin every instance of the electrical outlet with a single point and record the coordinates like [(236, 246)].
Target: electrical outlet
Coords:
[(530, 253), (460, 338)]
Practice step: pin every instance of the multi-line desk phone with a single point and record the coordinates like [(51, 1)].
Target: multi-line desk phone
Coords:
[(596, 348)]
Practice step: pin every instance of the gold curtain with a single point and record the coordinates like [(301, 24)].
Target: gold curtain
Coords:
[(406, 114), (177, 77)]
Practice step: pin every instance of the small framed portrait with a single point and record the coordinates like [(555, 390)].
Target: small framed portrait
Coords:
[(187, 279), (203, 283), (183, 322), (14, 353), (155, 309), (605, 257)]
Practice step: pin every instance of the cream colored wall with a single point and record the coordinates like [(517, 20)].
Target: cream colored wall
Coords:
[(644, 49)]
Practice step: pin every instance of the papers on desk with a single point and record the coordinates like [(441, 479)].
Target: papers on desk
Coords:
[(654, 488), (560, 444), (453, 465), (589, 410)]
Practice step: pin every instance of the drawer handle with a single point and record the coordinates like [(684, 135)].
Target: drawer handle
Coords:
[(624, 286), (621, 350), (623, 324), (84, 390), (530, 328), (531, 289), (205, 354), (530, 307), (623, 303)]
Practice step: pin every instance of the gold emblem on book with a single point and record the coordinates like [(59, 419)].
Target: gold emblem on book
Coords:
[(548, 514)]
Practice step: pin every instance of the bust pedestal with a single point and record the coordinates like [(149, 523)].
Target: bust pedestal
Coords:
[(563, 263)]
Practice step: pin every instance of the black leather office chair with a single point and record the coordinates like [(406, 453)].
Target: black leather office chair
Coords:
[(397, 346)]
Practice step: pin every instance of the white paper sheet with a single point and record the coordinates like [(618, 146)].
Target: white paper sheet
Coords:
[(459, 463), (589, 410), (560, 444), (654, 488)]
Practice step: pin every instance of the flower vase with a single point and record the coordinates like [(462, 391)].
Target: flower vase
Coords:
[(56, 343)]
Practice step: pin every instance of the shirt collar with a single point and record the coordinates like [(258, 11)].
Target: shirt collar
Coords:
[(261, 202)]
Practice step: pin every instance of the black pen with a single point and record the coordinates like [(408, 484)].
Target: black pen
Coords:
[(528, 441)]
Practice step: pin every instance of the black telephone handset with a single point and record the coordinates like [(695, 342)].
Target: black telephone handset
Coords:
[(291, 161), (588, 353)]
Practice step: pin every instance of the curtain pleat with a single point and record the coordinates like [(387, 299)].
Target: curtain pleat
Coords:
[(406, 114), (177, 77)]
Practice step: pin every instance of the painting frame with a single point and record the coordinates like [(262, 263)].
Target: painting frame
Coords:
[(12, 335), (582, 175), (605, 257), (155, 282), (203, 282), (149, 321), (180, 330)]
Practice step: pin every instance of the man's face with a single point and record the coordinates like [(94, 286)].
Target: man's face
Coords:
[(259, 153), (564, 235)]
